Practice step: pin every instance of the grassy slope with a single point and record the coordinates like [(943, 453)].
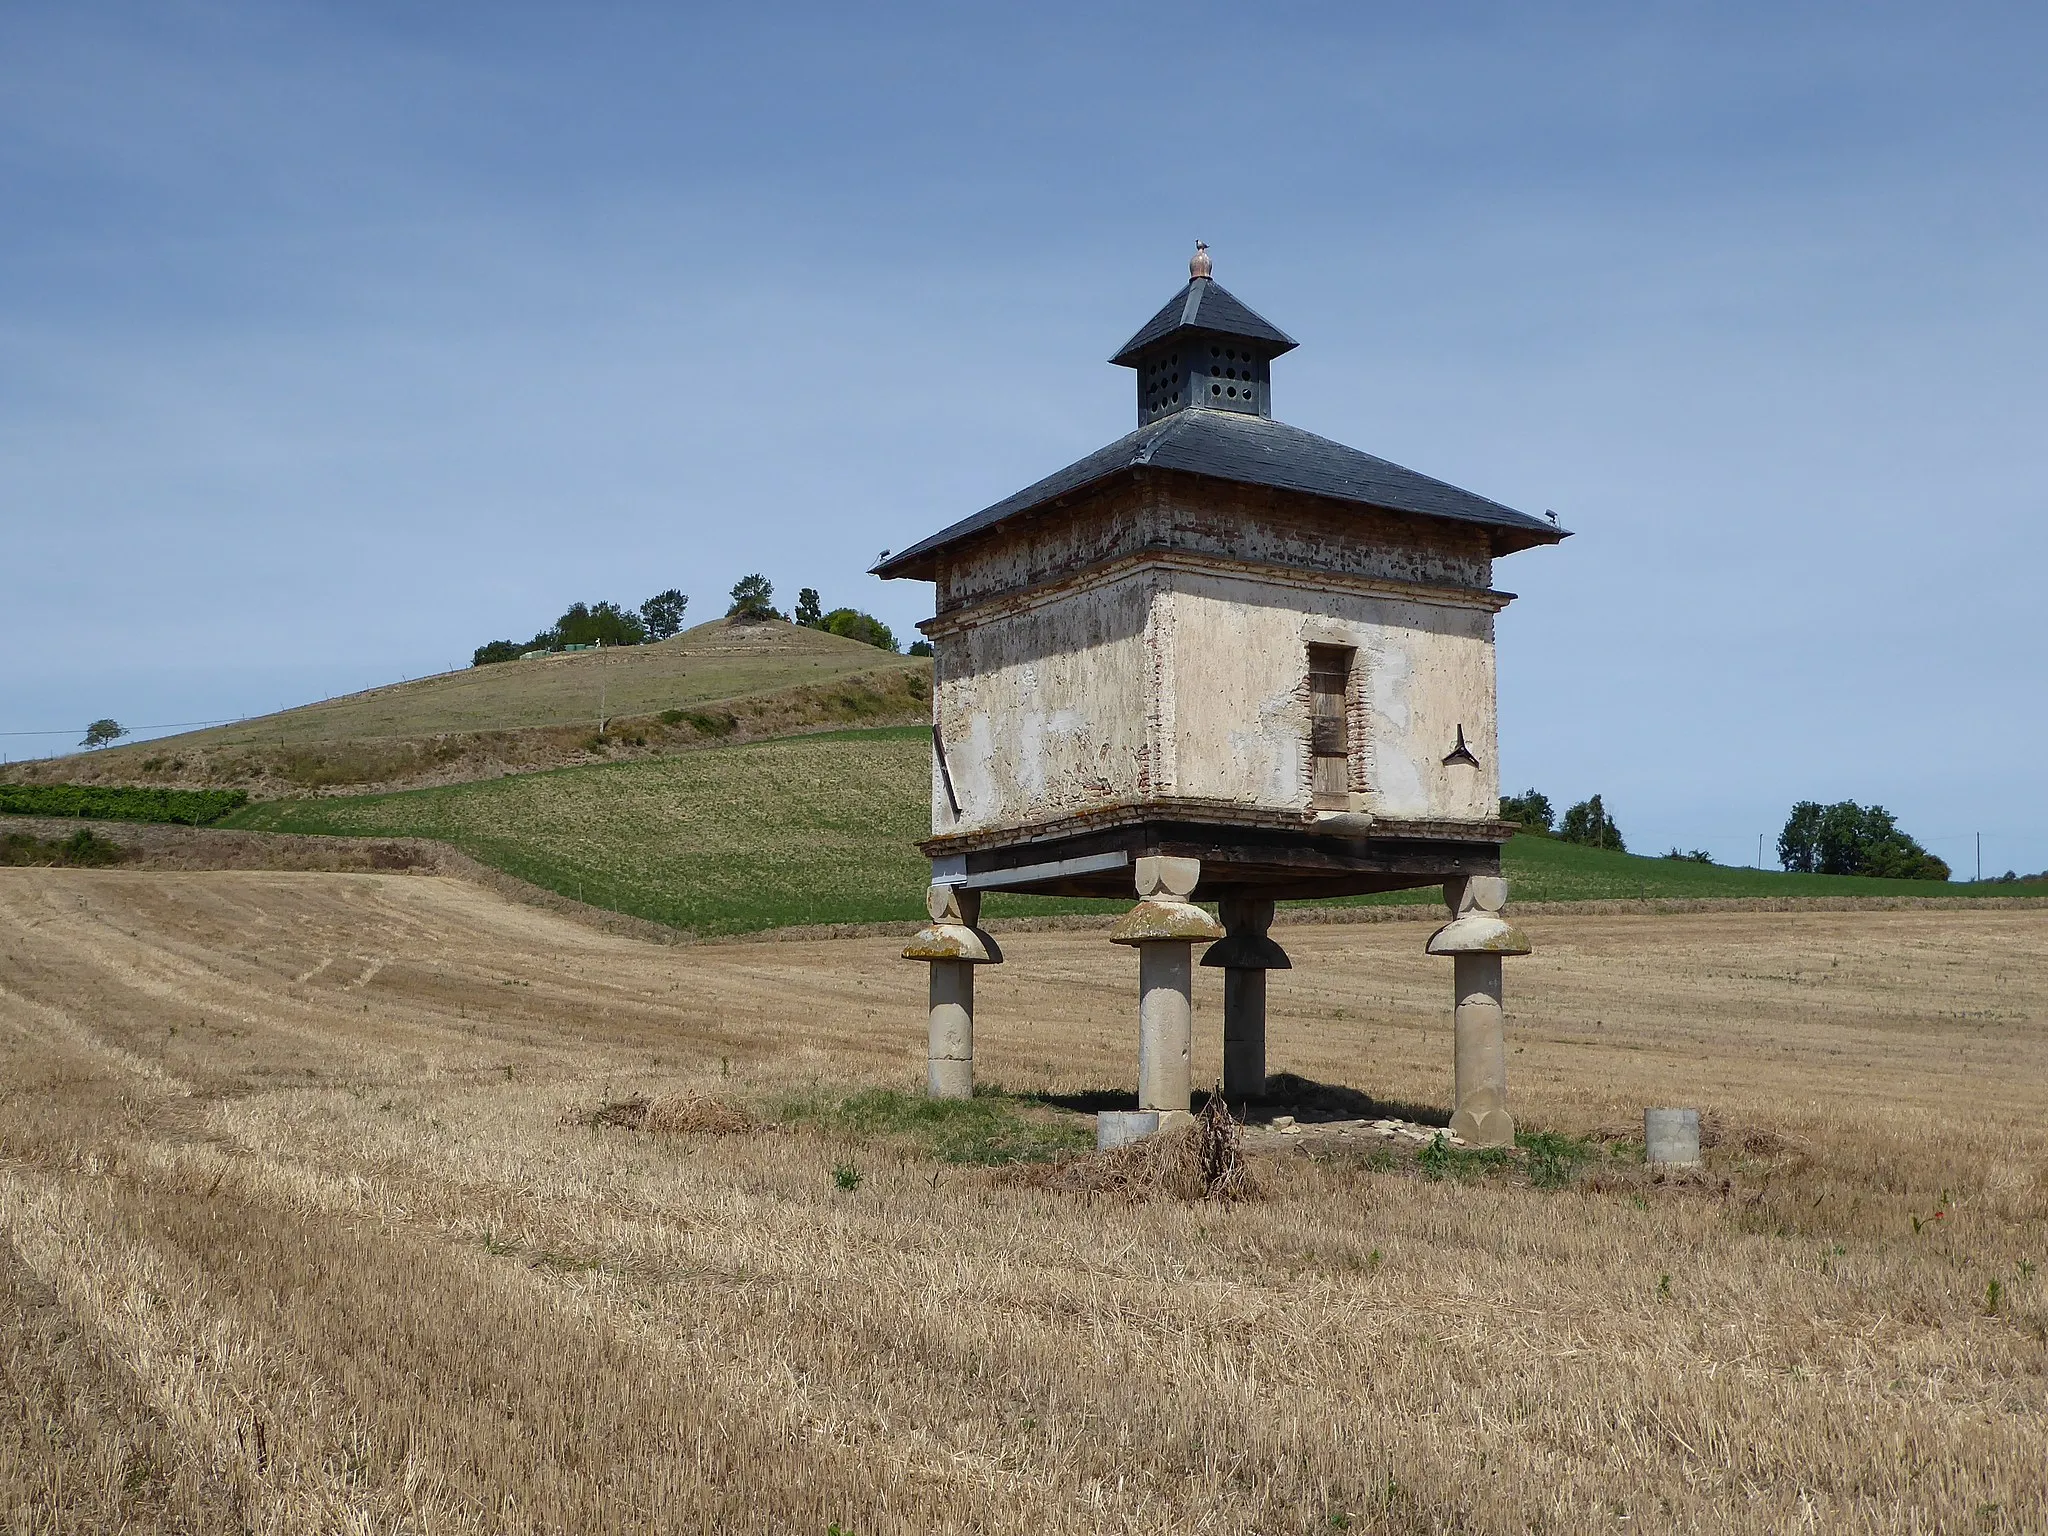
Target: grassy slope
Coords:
[(819, 829), (709, 663)]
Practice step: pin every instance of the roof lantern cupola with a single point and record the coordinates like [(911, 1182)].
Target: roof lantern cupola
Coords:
[(1205, 349)]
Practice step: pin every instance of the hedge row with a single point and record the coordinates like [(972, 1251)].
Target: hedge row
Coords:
[(188, 807)]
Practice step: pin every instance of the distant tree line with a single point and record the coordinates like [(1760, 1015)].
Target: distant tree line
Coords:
[(1587, 823), (753, 599), (1842, 839), (659, 618), (1851, 839)]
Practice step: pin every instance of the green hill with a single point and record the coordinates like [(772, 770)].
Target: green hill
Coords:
[(821, 828), (716, 681)]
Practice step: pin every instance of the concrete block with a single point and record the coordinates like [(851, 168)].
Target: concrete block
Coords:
[(1121, 1127), (1671, 1137), (1476, 893), (1174, 879), (951, 904)]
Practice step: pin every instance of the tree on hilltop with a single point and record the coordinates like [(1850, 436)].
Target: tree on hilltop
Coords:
[(103, 733), (809, 613), (864, 627), (662, 614), (598, 624), (753, 597), (1588, 823), (1531, 808)]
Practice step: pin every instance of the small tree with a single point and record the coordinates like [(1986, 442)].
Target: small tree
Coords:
[(599, 624), (808, 612), (753, 597), (864, 627), (496, 651), (919, 648), (103, 732), (1531, 808), (1850, 839), (662, 614), (1588, 823)]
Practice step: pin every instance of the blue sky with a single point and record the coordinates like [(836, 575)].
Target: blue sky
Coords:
[(335, 340)]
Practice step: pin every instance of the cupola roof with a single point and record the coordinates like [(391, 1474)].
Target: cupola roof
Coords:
[(1205, 305)]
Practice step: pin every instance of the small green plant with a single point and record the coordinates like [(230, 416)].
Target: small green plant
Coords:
[(1434, 1159), (1554, 1160), (846, 1176), (1664, 1287), (671, 717), (711, 722), (1994, 1293)]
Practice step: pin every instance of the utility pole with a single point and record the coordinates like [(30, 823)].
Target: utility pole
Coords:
[(1980, 858), (1759, 850)]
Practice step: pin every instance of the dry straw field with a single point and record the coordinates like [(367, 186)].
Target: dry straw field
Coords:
[(309, 1222)]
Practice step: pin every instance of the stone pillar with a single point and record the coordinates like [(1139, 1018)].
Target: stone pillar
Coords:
[(1162, 927), (1166, 1025), (1476, 939), (949, 1053), (1245, 955), (952, 946)]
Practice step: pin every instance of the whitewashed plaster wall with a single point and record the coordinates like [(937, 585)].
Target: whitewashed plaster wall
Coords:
[(1241, 702), (1176, 683), (1048, 710)]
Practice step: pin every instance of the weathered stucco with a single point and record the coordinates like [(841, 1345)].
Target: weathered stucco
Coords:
[(1166, 512), (1164, 679), (1420, 671), (1047, 711)]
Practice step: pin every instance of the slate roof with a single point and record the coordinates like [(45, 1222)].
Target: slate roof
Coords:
[(1248, 450), (1206, 305)]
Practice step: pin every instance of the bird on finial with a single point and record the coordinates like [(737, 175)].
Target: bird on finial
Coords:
[(1200, 266)]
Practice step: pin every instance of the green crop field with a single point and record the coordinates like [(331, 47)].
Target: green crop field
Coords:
[(820, 829)]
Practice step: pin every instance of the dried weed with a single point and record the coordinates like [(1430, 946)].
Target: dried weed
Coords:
[(1203, 1160)]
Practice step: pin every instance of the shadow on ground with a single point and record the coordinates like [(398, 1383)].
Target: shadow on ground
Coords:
[(1286, 1094)]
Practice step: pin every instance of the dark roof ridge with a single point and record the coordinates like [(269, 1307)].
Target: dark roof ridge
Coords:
[(1252, 450), (1206, 305)]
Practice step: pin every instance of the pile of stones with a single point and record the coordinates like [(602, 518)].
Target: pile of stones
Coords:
[(1286, 1130)]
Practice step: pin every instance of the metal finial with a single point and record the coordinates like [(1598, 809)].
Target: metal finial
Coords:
[(1201, 265)]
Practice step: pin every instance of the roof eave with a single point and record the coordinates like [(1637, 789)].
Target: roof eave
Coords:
[(920, 562), (924, 556), (1134, 350)]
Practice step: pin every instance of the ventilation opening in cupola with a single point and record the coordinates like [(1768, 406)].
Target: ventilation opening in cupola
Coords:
[(1162, 383)]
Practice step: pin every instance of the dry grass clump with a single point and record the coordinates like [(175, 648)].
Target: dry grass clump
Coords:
[(679, 1114), (1202, 1160)]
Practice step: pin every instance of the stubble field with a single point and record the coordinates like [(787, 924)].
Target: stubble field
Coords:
[(307, 1227)]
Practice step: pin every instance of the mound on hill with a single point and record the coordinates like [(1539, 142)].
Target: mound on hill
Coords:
[(823, 828), (717, 682)]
